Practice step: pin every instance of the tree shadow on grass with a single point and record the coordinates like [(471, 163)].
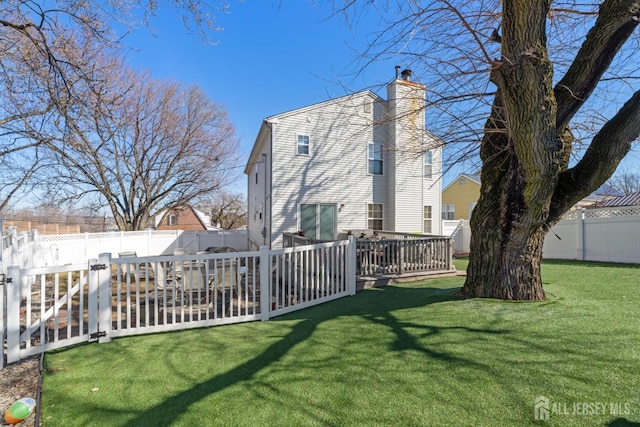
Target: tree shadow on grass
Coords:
[(375, 305), (622, 422)]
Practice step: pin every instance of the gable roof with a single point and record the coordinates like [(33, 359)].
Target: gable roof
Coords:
[(204, 218), (471, 177), (632, 199), (265, 126)]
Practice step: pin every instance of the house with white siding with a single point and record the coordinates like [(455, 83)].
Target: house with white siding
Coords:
[(354, 162)]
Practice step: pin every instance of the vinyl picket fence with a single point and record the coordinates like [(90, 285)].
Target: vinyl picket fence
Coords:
[(54, 307)]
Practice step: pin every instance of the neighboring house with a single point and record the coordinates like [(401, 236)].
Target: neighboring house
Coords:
[(354, 162), (462, 194), (460, 197), (632, 199), (183, 218), (597, 198)]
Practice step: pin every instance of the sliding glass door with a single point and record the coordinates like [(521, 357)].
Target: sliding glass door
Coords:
[(318, 221)]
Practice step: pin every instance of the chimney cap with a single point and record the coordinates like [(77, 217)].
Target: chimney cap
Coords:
[(406, 74)]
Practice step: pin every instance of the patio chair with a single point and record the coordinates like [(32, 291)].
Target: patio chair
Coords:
[(165, 283), (188, 277), (129, 269)]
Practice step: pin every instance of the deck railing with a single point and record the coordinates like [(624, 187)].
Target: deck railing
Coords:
[(398, 257), (389, 253)]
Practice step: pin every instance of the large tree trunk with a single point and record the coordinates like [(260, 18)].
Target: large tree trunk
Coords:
[(521, 155), (509, 223), (505, 266), (526, 182), (506, 228)]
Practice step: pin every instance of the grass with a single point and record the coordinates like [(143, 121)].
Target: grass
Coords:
[(406, 355)]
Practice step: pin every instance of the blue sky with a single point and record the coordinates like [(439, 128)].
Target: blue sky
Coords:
[(270, 58)]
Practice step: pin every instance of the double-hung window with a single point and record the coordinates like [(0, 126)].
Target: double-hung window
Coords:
[(375, 159), (374, 216), (303, 145), (428, 164), (449, 211), (427, 220)]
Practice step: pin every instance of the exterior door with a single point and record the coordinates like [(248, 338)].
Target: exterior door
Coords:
[(318, 221)]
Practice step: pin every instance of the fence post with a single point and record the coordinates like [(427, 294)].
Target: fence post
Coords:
[(93, 298), (13, 241), (13, 313), (265, 278), (351, 266), (2, 288), (580, 234), (1, 248), (104, 298)]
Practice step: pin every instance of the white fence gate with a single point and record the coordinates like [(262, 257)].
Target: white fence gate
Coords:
[(53, 307)]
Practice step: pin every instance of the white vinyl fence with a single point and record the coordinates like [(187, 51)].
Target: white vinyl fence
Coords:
[(53, 307), (34, 250), (606, 234)]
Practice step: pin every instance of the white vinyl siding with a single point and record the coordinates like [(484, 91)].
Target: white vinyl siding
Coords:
[(337, 174), (432, 192), (346, 167)]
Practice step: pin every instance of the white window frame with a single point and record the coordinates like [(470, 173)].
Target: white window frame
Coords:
[(428, 164), (449, 211), (427, 218), (318, 219), (375, 153), (371, 218), (303, 141), (172, 219)]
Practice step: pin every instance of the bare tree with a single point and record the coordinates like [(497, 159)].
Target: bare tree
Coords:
[(140, 145), (228, 210), (38, 68), (626, 182), (539, 87)]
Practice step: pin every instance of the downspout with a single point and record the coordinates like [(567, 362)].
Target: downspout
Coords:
[(264, 202), (267, 194)]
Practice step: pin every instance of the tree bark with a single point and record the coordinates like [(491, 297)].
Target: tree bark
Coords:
[(521, 159), (526, 183)]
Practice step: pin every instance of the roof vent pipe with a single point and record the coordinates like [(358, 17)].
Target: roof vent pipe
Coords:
[(406, 74), (397, 72)]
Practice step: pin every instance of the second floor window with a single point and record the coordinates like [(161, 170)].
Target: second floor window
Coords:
[(172, 220), (375, 159), (428, 164), (303, 145)]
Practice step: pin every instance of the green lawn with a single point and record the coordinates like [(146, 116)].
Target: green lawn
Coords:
[(407, 355)]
